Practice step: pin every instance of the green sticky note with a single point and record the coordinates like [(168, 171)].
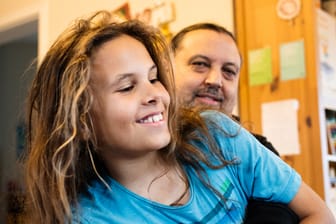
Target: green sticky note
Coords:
[(292, 60), (260, 66)]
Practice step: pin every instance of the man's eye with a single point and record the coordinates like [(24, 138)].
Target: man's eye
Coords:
[(200, 64), (230, 73)]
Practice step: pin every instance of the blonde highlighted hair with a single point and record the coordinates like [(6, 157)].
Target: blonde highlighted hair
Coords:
[(61, 141), (62, 156)]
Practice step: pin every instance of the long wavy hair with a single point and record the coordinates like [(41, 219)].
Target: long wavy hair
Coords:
[(61, 146)]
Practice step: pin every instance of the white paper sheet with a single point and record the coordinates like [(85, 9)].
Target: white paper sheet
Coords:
[(280, 125)]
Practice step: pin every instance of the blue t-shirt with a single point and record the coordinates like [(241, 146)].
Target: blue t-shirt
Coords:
[(258, 174)]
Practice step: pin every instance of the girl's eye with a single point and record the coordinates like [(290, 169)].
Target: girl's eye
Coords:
[(154, 80), (153, 76), (126, 89)]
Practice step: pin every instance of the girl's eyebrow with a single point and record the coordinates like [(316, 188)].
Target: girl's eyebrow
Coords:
[(121, 77), (153, 68)]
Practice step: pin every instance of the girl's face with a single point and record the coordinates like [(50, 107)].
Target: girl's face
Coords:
[(130, 109)]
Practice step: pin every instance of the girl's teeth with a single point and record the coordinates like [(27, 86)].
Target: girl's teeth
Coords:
[(153, 119), (156, 118)]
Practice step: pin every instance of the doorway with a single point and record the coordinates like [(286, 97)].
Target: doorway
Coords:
[(18, 54)]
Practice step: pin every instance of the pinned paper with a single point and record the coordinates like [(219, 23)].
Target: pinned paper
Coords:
[(327, 55), (292, 60), (260, 66), (280, 125)]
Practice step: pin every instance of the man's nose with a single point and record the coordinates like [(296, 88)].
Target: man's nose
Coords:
[(214, 78)]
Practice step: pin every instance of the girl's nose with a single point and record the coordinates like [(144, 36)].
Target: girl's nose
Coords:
[(151, 95)]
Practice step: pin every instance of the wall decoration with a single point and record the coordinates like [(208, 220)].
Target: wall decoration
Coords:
[(288, 9), (160, 15), (260, 66), (292, 60), (20, 139), (123, 12), (279, 117)]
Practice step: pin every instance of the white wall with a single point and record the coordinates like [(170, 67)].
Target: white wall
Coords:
[(187, 11), (55, 15), (62, 12)]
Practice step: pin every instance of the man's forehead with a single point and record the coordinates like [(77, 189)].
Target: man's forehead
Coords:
[(210, 45), (205, 35), (200, 41)]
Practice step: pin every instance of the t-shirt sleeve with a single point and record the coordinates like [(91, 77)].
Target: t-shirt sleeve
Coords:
[(258, 173)]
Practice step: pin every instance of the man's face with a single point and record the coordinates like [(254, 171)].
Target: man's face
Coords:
[(207, 70)]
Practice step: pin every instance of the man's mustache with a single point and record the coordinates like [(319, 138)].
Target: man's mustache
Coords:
[(211, 92)]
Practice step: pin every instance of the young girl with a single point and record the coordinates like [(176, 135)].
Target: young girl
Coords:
[(107, 143)]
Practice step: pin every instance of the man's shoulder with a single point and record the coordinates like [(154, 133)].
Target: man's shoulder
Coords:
[(263, 140)]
